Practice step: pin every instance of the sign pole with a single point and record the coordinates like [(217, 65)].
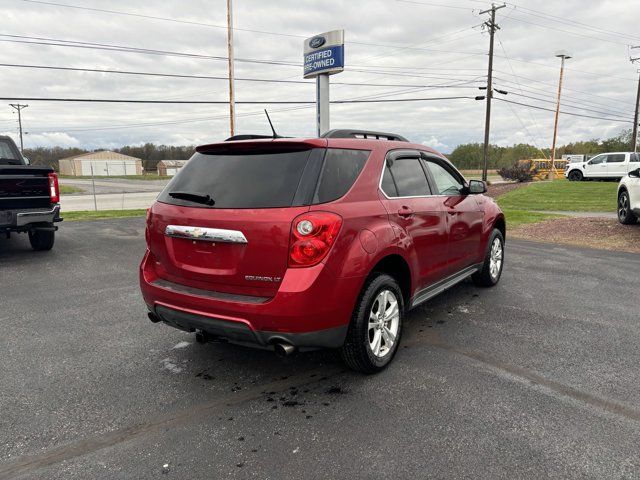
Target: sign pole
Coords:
[(323, 56), (322, 103)]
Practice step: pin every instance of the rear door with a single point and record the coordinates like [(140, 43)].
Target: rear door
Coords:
[(463, 214), (240, 243), (417, 211), (617, 165)]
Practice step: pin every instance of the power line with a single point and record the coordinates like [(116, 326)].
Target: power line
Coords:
[(545, 92), (221, 102), (567, 21), (609, 99), (563, 112), (568, 31), (566, 104), (206, 77), (201, 24)]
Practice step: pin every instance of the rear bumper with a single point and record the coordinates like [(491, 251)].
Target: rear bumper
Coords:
[(240, 332), (312, 308), (24, 219)]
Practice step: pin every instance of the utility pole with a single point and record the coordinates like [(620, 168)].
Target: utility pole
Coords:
[(492, 27), (232, 101), (19, 107), (634, 132), (563, 56)]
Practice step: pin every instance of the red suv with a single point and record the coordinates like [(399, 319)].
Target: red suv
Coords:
[(315, 243)]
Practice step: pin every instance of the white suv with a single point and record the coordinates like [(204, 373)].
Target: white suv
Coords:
[(629, 198), (605, 165)]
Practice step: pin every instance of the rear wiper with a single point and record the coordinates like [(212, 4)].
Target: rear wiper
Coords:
[(203, 198)]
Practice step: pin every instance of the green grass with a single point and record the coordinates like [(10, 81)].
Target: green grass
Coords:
[(101, 214), (66, 189), (125, 177), (562, 195), (515, 218)]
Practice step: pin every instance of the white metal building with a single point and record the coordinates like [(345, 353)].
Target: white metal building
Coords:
[(101, 164), (170, 167)]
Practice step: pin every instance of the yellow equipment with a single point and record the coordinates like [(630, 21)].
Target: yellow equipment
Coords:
[(543, 165)]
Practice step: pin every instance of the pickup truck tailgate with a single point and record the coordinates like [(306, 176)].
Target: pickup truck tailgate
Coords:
[(24, 187)]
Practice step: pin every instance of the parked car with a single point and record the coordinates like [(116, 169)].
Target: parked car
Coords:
[(629, 198), (315, 243), (605, 165), (29, 197)]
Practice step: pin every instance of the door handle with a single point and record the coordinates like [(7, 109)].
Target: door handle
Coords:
[(452, 212), (405, 212)]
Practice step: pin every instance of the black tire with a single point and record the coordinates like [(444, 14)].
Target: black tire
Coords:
[(625, 215), (357, 352), (575, 176), (42, 239), (484, 277)]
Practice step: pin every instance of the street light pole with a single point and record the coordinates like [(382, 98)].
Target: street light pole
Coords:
[(563, 56), (232, 102)]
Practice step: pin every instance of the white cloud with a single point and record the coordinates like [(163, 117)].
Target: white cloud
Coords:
[(434, 143), (51, 139)]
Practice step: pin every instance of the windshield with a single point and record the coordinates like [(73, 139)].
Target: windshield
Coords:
[(8, 156)]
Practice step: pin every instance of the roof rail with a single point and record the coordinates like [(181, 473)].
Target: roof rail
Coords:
[(344, 133)]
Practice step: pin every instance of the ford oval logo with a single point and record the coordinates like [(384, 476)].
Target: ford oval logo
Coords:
[(317, 42)]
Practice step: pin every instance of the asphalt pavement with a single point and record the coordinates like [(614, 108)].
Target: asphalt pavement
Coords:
[(535, 378)]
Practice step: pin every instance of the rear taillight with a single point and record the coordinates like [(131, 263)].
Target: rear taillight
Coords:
[(312, 235), (54, 190)]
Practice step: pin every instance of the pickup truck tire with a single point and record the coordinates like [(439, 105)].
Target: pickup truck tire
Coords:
[(625, 215), (42, 239), (360, 351), (493, 263), (575, 175)]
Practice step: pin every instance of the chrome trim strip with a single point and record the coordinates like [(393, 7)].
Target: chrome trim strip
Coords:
[(204, 234)]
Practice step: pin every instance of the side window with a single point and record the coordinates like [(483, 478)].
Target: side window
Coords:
[(446, 182), (635, 157), (407, 177), (388, 185), (616, 158), (340, 170), (597, 160)]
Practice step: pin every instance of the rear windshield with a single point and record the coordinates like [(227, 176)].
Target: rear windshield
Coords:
[(262, 180), (265, 180)]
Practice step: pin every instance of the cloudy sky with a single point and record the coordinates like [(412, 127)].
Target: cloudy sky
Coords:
[(394, 50)]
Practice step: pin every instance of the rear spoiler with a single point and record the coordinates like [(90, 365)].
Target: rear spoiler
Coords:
[(261, 145)]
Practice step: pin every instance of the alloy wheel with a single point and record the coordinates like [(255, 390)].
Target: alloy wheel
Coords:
[(623, 206), (384, 321), (495, 258)]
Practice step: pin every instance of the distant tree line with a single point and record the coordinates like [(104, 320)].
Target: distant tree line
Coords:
[(469, 156), (149, 153), (466, 156)]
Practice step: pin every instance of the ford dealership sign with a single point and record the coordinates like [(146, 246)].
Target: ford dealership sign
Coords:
[(324, 53)]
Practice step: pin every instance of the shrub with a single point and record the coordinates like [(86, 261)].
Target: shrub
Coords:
[(519, 171)]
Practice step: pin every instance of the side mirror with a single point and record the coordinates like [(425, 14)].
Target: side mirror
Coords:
[(477, 186), (26, 160), (635, 173)]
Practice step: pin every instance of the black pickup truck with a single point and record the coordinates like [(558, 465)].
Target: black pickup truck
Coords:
[(29, 197)]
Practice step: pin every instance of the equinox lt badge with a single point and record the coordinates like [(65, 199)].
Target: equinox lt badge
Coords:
[(253, 278)]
